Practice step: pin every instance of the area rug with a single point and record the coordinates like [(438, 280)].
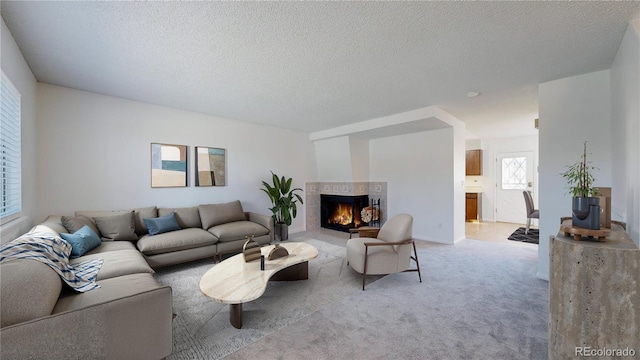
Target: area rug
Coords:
[(201, 328), (531, 237)]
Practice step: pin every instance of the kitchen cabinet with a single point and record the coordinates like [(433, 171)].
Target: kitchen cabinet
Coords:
[(473, 206), (474, 162)]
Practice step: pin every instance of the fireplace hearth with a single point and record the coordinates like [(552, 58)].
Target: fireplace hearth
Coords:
[(342, 212)]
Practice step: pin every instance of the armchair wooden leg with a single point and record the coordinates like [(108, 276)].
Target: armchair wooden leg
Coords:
[(364, 271), (417, 263), (415, 258)]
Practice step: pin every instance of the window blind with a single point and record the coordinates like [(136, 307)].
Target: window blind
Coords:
[(10, 178)]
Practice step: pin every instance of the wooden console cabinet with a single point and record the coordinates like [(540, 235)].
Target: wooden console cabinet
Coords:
[(594, 294)]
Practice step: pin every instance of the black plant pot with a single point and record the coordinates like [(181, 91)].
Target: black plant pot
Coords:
[(586, 212), (281, 231)]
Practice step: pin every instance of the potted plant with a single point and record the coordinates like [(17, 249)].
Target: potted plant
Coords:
[(284, 201), (585, 206)]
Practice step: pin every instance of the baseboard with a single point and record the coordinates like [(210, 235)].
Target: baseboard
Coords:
[(542, 276)]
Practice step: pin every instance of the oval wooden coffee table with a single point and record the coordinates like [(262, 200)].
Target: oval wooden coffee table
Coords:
[(234, 281)]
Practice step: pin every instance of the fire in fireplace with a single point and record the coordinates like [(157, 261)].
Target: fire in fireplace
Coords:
[(340, 212)]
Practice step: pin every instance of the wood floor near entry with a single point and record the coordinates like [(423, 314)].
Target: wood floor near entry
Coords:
[(491, 231), (486, 231)]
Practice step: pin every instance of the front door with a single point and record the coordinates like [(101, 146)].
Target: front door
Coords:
[(514, 174)]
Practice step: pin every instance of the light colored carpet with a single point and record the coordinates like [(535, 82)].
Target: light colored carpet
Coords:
[(201, 328), (478, 300)]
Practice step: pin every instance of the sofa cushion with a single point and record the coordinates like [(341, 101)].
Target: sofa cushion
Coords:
[(109, 290), (139, 214), (82, 241), (162, 224), (112, 246), (174, 241), (144, 213), (30, 289), (187, 217), (73, 224), (238, 230), (216, 214), (117, 227), (54, 222), (40, 228), (118, 263)]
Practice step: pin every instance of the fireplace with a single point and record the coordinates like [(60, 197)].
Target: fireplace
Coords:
[(342, 212)]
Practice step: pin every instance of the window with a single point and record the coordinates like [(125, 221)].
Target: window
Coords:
[(10, 179), (514, 173)]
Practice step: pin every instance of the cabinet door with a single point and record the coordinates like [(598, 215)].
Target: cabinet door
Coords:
[(474, 162), (471, 207)]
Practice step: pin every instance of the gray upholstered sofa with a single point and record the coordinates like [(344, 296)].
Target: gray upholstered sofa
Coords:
[(129, 316), (209, 230)]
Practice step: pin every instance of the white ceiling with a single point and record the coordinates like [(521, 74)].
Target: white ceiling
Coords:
[(313, 66)]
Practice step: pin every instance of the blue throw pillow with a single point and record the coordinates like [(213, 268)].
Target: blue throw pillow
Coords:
[(82, 241), (162, 224)]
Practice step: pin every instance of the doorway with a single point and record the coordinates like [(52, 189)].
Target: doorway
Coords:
[(514, 174)]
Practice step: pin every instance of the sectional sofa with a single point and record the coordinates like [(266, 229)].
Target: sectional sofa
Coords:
[(205, 230), (130, 315)]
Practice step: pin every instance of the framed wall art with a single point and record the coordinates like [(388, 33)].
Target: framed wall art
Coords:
[(169, 165), (211, 165)]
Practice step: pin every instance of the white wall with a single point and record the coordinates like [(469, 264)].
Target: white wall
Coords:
[(424, 170), (334, 159), (625, 91), (458, 163), (473, 144), (418, 169), (488, 179), (342, 159), (17, 70), (572, 110), (360, 159), (94, 153)]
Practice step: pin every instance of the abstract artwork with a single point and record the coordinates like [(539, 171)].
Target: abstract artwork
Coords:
[(168, 165), (211, 166)]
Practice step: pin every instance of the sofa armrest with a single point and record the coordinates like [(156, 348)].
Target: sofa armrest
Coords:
[(264, 220), (133, 327)]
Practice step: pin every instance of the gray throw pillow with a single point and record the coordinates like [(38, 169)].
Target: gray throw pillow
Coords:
[(73, 224), (117, 227), (216, 214)]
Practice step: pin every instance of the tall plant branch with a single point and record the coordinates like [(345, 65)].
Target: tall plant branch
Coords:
[(585, 184), (579, 177)]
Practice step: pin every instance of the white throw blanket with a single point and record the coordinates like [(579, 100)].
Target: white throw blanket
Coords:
[(54, 252)]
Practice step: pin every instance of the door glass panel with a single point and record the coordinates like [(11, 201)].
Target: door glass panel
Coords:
[(514, 173)]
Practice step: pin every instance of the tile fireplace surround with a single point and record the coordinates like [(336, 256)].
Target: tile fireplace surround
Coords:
[(375, 190)]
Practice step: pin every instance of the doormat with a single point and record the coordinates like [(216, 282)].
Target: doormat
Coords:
[(519, 235)]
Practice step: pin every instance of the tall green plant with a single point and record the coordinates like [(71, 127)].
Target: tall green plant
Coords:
[(283, 198), (579, 177)]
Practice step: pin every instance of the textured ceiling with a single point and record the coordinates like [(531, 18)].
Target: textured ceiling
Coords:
[(313, 66)]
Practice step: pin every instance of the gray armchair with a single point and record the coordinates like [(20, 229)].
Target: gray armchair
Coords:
[(531, 212), (389, 252)]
